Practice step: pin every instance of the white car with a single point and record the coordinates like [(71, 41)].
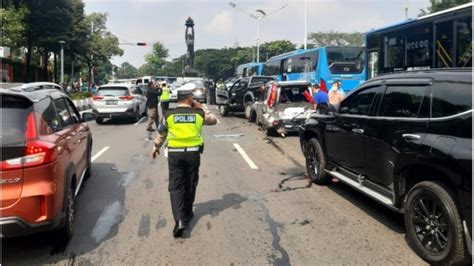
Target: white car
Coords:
[(198, 88), (118, 101)]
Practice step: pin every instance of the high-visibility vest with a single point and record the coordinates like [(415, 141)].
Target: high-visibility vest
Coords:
[(165, 95), (185, 127)]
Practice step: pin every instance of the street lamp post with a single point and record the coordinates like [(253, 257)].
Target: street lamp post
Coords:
[(305, 23), (62, 61), (260, 15)]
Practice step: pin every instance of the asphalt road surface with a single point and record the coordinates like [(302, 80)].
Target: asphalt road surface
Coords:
[(243, 215)]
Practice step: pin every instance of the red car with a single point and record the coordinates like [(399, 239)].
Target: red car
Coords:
[(46, 154)]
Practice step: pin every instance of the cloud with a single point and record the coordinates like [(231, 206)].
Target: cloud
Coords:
[(220, 23)]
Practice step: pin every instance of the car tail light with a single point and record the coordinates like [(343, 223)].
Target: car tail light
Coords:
[(97, 98), (126, 98), (37, 152)]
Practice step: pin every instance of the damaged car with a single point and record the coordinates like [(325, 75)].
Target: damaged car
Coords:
[(283, 107)]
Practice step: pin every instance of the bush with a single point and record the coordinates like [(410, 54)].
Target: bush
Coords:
[(80, 95)]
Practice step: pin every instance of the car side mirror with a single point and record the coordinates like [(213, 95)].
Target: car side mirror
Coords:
[(88, 117)]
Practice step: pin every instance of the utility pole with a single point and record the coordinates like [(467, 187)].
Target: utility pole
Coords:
[(62, 61), (305, 23), (258, 39)]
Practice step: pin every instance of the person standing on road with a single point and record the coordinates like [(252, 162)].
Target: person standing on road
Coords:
[(336, 95), (153, 93), (165, 98), (182, 128), (321, 100)]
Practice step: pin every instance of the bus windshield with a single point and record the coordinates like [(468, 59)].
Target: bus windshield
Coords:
[(345, 60)]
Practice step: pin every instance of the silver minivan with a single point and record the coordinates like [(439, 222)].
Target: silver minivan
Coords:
[(118, 101)]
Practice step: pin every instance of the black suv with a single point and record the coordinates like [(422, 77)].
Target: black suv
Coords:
[(405, 141), (241, 95)]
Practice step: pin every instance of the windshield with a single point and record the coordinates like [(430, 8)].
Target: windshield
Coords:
[(293, 94), (112, 91), (345, 60), (260, 80)]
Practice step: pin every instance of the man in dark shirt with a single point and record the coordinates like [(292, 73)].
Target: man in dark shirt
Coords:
[(153, 93)]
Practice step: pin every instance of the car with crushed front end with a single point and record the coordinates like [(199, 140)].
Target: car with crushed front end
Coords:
[(283, 107), (46, 155), (241, 95), (405, 140), (118, 101)]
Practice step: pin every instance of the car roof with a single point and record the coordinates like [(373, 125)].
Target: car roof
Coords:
[(126, 85), (292, 83), (457, 74), (33, 91)]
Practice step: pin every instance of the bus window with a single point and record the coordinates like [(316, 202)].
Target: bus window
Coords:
[(444, 44), (394, 49), (464, 42), (345, 60), (419, 46)]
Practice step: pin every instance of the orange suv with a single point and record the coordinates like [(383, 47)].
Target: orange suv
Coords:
[(46, 154)]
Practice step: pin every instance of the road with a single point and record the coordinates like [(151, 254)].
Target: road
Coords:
[(243, 216)]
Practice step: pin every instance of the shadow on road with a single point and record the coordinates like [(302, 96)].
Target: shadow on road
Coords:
[(99, 211), (214, 208), (392, 220)]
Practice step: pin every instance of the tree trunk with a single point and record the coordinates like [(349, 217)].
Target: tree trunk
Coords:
[(29, 45), (55, 73), (45, 66)]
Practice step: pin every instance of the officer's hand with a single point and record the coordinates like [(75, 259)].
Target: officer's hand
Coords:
[(155, 152), (198, 105)]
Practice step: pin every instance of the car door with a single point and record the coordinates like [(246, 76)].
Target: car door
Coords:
[(82, 132), (395, 134), (68, 137), (141, 99), (223, 94), (345, 134), (238, 91)]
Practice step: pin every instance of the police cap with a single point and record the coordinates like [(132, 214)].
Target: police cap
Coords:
[(183, 94)]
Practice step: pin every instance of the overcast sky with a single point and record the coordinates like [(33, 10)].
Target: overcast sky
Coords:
[(219, 25)]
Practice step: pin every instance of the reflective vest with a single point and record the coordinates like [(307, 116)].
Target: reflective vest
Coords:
[(165, 95), (185, 127)]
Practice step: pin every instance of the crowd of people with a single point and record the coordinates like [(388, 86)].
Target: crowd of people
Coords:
[(322, 99)]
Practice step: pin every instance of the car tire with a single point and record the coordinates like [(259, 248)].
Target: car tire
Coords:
[(248, 110), (434, 232), (99, 120), (66, 232), (223, 110), (316, 162), (137, 116)]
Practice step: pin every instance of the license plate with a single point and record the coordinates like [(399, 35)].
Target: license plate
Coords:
[(113, 102)]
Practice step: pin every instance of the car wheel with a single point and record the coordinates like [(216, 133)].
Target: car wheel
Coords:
[(137, 116), (99, 120), (433, 224), (89, 161), (223, 110), (65, 233), (248, 110), (316, 163)]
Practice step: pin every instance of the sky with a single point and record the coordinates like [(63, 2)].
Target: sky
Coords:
[(218, 25)]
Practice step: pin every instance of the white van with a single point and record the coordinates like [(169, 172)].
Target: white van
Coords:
[(144, 80)]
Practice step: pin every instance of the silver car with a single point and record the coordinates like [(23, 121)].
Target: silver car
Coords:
[(288, 109), (118, 101)]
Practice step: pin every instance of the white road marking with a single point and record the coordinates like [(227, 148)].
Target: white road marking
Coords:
[(139, 121), (246, 157), (97, 155)]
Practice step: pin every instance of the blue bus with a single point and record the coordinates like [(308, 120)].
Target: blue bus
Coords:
[(249, 69), (345, 64), (437, 40)]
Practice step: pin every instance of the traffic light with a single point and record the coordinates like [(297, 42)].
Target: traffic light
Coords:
[(141, 43)]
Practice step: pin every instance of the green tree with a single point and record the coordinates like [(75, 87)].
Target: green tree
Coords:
[(273, 48), (126, 71), (101, 45), (438, 5), (156, 59), (334, 38)]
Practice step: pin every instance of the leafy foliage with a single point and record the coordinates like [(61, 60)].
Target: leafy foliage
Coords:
[(439, 5), (334, 38)]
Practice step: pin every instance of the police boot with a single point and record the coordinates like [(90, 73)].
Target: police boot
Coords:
[(179, 228)]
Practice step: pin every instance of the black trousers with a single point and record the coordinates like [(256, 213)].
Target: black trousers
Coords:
[(184, 177), (164, 107)]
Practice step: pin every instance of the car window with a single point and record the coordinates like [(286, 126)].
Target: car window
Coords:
[(14, 111), (73, 111), (402, 101), (50, 120), (360, 102), (137, 91), (451, 98), (65, 118), (112, 91)]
